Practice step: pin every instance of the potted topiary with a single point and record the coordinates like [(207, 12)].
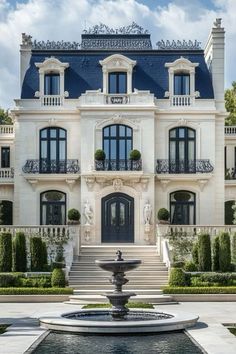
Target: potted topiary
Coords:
[(73, 216), (135, 155), (99, 157), (163, 216)]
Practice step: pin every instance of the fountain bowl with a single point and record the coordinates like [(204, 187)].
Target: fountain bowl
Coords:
[(111, 265)]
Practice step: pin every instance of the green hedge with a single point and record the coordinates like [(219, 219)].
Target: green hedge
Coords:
[(177, 277), (35, 291), (224, 252), (195, 253), (200, 290), (5, 252), (19, 253), (234, 248), (216, 254), (204, 252), (58, 278), (10, 279), (37, 251)]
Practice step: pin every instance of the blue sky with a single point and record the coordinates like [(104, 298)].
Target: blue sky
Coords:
[(65, 19)]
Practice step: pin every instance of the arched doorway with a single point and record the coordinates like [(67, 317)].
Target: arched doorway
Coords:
[(118, 218), (182, 208), (53, 208), (6, 212)]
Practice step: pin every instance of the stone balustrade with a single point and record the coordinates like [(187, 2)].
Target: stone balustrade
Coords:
[(230, 130), (181, 100), (6, 129), (6, 174), (51, 100)]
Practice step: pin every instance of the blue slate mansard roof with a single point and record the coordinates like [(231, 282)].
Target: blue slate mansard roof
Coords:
[(85, 72)]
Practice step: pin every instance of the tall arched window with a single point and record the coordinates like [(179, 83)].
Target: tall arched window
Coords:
[(117, 144), (182, 208), (182, 150), (52, 208), (53, 150)]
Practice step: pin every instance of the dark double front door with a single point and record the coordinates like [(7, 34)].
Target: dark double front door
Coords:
[(118, 218)]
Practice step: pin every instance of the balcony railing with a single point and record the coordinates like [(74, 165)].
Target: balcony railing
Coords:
[(183, 166), (181, 100), (6, 174), (52, 166), (118, 165), (230, 130), (51, 100), (6, 129), (117, 99)]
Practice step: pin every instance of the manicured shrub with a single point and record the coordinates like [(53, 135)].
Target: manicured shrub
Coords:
[(36, 291), (177, 277), (58, 278), (135, 155), (44, 256), (195, 253), (216, 254), (163, 214), (200, 290), (19, 253), (5, 252), (224, 252), (37, 254), (190, 267), (204, 252), (234, 248), (74, 215), (10, 279), (36, 282), (99, 155), (178, 264)]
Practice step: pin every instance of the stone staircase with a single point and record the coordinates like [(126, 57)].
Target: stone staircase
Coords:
[(90, 282)]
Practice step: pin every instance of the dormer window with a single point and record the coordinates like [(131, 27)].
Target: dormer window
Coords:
[(51, 82), (117, 74), (181, 82), (117, 82)]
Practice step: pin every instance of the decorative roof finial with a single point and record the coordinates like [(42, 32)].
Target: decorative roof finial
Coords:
[(217, 23), (26, 40)]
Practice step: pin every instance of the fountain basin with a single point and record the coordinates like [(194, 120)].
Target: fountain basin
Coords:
[(100, 321), (111, 265)]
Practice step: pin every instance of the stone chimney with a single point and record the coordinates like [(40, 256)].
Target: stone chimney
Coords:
[(215, 57), (25, 54)]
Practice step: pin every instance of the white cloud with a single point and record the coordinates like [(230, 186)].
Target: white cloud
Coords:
[(63, 19)]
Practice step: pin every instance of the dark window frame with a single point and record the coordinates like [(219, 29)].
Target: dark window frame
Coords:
[(171, 203), (8, 160), (117, 74), (50, 91), (48, 139), (182, 76), (52, 202), (177, 139)]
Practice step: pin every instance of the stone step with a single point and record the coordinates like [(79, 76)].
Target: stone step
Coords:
[(108, 287), (142, 273), (101, 291), (153, 299)]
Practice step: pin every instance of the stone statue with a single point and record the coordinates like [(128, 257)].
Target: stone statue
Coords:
[(147, 213), (88, 213)]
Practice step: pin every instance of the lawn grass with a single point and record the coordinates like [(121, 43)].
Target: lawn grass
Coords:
[(131, 305)]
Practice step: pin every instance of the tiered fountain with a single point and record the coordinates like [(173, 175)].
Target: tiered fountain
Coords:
[(118, 319)]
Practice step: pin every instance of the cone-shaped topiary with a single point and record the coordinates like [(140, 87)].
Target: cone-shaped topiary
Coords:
[(37, 256), (195, 253), (58, 278), (234, 248), (5, 252), (216, 254), (204, 252), (19, 253), (224, 252)]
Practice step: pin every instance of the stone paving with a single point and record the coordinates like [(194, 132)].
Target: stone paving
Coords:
[(209, 333)]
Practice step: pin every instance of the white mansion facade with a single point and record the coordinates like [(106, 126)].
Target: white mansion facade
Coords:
[(116, 93)]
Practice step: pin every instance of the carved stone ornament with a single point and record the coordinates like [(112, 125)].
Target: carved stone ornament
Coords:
[(117, 184), (26, 40), (134, 28), (217, 23), (182, 121)]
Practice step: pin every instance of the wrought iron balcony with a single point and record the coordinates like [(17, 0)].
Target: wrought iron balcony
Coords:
[(183, 166), (118, 165), (51, 166)]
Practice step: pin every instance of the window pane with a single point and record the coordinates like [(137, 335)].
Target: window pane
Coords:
[(177, 85), (191, 215), (52, 84), (181, 133), (129, 148), (122, 83), (191, 133), (129, 132), (122, 214), (53, 133), (112, 83), (173, 133), (53, 149), (53, 196), (191, 150), (122, 130), (181, 150), (62, 150), (43, 149), (5, 160), (113, 214), (44, 133), (185, 84), (172, 150), (62, 133), (113, 149), (113, 130), (106, 131), (122, 149)]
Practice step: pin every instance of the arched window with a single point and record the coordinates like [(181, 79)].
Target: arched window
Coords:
[(182, 150), (52, 208), (182, 208), (117, 144), (53, 150)]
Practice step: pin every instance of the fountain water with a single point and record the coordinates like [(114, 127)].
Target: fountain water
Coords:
[(118, 320)]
